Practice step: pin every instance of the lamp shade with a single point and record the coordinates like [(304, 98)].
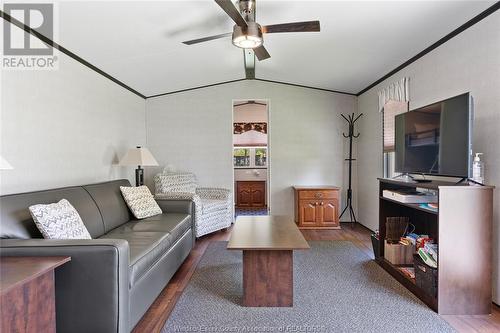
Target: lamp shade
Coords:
[(4, 165), (139, 156)]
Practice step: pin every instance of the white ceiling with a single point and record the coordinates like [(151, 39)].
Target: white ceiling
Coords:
[(139, 42)]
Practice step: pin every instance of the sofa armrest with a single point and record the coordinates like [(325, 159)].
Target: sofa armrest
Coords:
[(214, 193), (193, 197), (184, 206), (92, 289)]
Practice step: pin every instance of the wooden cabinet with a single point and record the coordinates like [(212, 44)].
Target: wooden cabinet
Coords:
[(317, 207), (251, 194)]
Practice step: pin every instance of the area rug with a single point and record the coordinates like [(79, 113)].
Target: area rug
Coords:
[(250, 212), (337, 288)]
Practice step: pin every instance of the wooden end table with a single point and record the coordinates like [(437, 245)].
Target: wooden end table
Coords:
[(27, 293), (267, 243)]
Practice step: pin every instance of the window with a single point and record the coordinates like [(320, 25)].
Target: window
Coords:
[(260, 157), (241, 157), (391, 110)]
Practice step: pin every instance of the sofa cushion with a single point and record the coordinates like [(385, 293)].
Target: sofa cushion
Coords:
[(175, 224), (140, 201), (16, 220), (109, 199), (149, 240), (212, 205), (59, 220)]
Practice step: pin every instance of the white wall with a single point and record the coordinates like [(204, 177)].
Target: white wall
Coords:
[(66, 127), (467, 62), (193, 132)]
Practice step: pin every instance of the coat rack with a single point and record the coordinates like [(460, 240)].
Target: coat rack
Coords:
[(350, 120)]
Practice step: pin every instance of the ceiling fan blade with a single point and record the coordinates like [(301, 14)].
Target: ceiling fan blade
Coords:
[(261, 53), (291, 27), (232, 11), (206, 39)]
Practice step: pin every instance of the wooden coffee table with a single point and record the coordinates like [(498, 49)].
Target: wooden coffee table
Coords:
[(267, 243)]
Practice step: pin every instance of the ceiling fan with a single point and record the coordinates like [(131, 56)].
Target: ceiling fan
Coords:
[(248, 34)]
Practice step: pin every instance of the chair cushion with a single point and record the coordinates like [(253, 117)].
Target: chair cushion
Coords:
[(175, 182), (149, 240), (212, 205)]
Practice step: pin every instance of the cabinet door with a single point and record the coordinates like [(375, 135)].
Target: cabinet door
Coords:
[(258, 194), (244, 194), (329, 213), (308, 213)]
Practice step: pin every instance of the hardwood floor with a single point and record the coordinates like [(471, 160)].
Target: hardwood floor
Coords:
[(157, 315)]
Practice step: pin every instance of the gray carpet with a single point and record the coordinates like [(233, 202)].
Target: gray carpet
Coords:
[(337, 289)]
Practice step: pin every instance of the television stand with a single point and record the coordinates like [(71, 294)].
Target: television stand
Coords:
[(462, 228)]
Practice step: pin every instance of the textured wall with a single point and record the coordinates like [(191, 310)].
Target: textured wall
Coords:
[(65, 127), (468, 62), (193, 131)]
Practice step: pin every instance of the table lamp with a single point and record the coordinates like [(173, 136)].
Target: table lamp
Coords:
[(139, 156)]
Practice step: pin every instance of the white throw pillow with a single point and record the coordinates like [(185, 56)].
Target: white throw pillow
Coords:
[(140, 201), (59, 221)]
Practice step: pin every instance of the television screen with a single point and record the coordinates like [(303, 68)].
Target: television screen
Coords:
[(435, 139)]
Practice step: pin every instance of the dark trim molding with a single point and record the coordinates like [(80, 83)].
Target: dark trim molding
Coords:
[(443, 40), (194, 88), (303, 86), (256, 79), (64, 50)]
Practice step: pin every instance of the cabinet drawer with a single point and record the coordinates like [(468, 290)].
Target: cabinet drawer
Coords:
[(318, 194)]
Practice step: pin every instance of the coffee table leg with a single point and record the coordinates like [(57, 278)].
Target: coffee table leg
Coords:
[(268, 278)]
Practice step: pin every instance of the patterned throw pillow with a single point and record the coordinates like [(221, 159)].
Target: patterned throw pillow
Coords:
[(140, 201), (59, 221)]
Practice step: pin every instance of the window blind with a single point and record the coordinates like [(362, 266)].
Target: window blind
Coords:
[(391, 109)]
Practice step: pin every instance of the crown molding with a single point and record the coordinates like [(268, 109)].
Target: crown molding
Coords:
[(440, 42), (304, 86), (64, 50)]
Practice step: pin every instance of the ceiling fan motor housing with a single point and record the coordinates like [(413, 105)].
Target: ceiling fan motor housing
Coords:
[(249, 37)]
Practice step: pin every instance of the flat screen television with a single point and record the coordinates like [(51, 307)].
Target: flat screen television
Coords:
[(436, 139)]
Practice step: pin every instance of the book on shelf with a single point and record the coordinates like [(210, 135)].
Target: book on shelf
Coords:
[(408, 272)]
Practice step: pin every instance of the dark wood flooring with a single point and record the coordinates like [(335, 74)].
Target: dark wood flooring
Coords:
[(157, 315)]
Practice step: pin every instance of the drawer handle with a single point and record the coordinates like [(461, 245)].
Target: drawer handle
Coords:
[(321, 204)]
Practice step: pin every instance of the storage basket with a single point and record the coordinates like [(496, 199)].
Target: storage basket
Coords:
[(395, 228), (426, 277), (399, 254), (376, 246)]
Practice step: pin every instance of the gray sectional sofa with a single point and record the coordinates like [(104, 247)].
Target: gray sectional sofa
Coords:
[(113, 278)]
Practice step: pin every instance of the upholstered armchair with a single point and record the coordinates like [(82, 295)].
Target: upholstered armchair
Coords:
[(213, 206)]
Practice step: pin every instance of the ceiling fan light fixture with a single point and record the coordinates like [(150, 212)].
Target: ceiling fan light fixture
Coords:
[(249, 39), (247, 42)]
